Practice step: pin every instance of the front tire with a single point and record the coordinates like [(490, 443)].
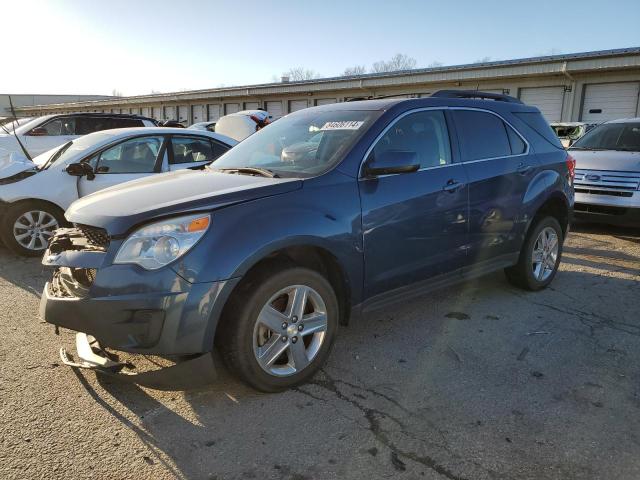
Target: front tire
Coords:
[(540, 256), (279, 329), (27, 227)]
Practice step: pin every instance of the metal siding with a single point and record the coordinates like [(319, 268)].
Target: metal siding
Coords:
[(615, 100), (231, 108), (547, 99)]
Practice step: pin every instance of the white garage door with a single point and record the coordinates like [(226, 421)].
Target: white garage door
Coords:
[(547, 99), (183, 114), (274, 109), (325, 101), (214, 112), (157, 113), (169, 113), (609, 101), (146, 111), (197, 113), (251, 105), (295, 105), (231, 108)]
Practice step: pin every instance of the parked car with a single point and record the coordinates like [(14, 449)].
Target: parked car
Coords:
[(172, 124), (607, 183), (569, 132), (242, 124), (211, 126), (8, 124), (44, 133), (264, 257), (34, 195)]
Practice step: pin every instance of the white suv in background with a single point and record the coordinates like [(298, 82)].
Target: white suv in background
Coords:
[(44, 133)]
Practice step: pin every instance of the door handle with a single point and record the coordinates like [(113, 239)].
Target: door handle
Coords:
[(523, 168), (452, 186)]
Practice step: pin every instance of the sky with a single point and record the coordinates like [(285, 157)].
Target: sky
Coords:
[(139, 46)]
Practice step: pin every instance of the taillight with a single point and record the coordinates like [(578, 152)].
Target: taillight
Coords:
[(571, 167)]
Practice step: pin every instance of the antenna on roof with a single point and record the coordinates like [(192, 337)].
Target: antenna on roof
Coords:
[(13, 120)]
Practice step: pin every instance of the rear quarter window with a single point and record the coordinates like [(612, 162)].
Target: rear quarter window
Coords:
[(481, 135), (537, 122)]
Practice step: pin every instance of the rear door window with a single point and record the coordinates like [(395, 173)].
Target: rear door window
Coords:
[(192, 150), (481, 135)]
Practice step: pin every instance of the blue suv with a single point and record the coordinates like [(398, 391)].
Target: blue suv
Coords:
[(328, 213)]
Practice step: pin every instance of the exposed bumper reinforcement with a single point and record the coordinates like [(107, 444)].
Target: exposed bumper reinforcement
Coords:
[(193, 373)]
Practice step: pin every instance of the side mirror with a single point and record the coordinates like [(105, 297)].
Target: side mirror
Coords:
[(38, 132), (391, 162), (81, 170)]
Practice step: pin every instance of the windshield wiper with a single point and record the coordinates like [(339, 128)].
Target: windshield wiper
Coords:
[(265, 172), (56, 155)]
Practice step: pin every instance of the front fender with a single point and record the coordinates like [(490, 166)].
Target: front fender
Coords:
[(325, 213)]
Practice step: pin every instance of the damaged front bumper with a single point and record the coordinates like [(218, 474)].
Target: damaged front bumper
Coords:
[(127, 308)]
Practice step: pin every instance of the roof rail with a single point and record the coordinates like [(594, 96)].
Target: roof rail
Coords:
[(499, 97)]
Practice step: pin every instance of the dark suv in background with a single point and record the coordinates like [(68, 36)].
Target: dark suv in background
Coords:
[(265, 253)]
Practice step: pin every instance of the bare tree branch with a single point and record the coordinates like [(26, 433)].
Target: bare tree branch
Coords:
[(399, 61), (300, 73), (355, 70)]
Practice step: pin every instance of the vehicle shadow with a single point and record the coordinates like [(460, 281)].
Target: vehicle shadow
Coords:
[(421, 384)]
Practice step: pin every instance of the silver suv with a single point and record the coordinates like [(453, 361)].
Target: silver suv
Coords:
[(607, 181)]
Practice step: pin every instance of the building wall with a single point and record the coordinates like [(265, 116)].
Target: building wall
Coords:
[(571, 74), (22, 100)]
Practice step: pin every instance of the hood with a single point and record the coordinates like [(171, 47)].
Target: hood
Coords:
[(119, 208), (12, 163), (607, 160)]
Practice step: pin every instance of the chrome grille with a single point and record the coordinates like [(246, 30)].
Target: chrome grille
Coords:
[(606, 182)]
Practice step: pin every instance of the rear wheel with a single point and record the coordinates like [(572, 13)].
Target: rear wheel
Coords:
[(540, 256), (278, 332), (27, 227)]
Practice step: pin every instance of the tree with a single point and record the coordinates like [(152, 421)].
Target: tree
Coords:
[(116, 93), (483, 60), (355, 70), (435, 64), (398, 62), (300, 73)]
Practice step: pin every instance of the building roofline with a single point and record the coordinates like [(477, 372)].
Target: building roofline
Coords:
[(249, 90)]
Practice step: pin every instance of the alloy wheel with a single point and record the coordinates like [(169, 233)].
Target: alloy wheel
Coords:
[(290, 330), (33, 229), (545, 254)]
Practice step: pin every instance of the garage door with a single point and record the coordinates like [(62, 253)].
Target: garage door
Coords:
[(325, 101), (197, 113), (231, 108), (169, 113), (609, 101), (146, 111), (183, 114), (547, 99), (274, 109), (214, 112), (295, 105), (157, 113), (251, 105)]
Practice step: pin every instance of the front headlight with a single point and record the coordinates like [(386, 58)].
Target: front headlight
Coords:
[(158, 244)]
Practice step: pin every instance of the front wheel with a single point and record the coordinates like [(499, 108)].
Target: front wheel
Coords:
[(279, 330), (540, 256), (27, 227)]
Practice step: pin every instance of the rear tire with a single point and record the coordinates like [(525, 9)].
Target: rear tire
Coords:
[(539, 257), (270, 340), (26, 227)]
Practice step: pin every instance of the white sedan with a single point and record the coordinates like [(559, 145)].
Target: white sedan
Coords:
[(34, 195)]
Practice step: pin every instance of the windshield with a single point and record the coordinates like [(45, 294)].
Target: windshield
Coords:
[(612, 136), (293, 146), (71, 149)]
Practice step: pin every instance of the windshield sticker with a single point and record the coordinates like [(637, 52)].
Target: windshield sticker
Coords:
[(348, 125)]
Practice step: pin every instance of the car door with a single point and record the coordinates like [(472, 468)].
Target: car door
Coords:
[(192, 151), (50, 134), (499, 170), (127, 160), (414, 224)]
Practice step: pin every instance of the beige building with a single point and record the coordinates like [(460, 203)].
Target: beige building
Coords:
[(590, 86)]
